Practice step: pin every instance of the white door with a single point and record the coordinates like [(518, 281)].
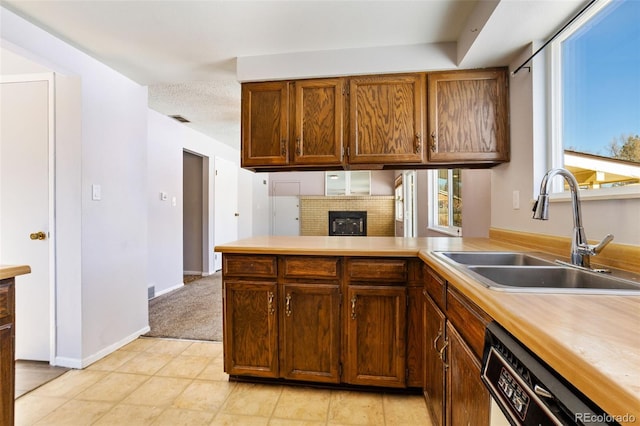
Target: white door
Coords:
[(286, 208), (225, 205), (410, 210), (25, 123)]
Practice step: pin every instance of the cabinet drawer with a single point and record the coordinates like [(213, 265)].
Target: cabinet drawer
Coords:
[(435, 286), (375, 269), (249, 265), (310, 267), (469, 320)]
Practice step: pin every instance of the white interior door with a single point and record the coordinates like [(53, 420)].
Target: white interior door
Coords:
[(225, 204), (410, 210), (286, 219), (286, 208), (25, 208)]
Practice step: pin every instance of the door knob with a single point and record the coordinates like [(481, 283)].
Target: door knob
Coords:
[(38, 236)]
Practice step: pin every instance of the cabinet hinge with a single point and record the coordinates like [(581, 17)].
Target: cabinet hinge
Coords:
[(406, 374), (407, 300), (340, 370), (345, 90)]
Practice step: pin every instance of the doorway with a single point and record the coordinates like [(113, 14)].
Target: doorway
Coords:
[(193, 213), (27, 207)]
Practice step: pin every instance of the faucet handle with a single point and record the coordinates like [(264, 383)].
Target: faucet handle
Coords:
[(606, 240), (590, 249)]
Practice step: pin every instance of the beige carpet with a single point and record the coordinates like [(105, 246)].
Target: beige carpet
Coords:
[(194, 311)]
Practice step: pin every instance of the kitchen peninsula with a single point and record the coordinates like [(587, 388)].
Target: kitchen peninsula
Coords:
[(590, 340)]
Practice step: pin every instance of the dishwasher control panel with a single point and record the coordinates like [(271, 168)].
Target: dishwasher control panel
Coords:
[(514, 393)]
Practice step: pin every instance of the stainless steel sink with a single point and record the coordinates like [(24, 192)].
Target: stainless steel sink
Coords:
[(532, 272), (556, 279), (495, 258)]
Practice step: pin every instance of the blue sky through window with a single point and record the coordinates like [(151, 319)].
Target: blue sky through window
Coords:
[(601, 79)]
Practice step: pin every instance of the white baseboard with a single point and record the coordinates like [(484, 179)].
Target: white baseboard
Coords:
[(85, 362), (192, 272), (168, 290)]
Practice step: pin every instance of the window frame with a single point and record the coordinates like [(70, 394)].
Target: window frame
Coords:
[(555, 99), (347, 183), (433, 211)]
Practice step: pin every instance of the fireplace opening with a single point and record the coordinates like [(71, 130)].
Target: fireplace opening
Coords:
[(348, 223)]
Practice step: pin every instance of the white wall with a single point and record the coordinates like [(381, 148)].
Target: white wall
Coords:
[(106, 269), (167, 139), (529, 163)]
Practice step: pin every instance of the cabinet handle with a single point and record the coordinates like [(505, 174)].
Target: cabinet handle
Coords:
[(418, 143), (298, 146), (433, 141), (287, 305), (270, 308), (435, 341), (283, 147), (446, 343), (354, 299)]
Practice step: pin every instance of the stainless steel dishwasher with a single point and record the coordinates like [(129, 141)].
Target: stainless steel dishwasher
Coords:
[(527, 391)]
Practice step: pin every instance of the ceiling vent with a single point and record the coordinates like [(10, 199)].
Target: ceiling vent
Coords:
[(180, 118)]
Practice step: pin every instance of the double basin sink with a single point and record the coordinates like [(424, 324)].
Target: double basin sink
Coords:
[(532, 272)]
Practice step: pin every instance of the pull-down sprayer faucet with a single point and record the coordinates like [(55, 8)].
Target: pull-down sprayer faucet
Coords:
[(581, 250)]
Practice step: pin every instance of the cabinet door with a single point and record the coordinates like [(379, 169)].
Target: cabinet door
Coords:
[(265, 124), (7, 374), (469, 400), (376, 335), (318, 130), (468, 116), (7, 351), (386, 119), (310, 332), (251, 328), (434, 368)]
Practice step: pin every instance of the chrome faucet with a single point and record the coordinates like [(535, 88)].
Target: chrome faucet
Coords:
[(581, 250)]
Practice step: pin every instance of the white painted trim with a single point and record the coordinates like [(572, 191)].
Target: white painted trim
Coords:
[(85, 362), (193, 272), (167, 290), (48, 77)]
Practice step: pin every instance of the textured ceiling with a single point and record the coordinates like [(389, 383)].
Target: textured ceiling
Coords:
[(190, 53)]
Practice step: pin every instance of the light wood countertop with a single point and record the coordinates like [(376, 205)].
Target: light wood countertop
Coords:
[(10, 271), (591, 340)]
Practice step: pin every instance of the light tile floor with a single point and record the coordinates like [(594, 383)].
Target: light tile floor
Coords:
[(181, 382)]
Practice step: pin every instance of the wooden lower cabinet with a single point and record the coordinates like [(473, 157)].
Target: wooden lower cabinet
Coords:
[(434, 367), (376, 331), (250, 328), (7, 351), (469, 402), (323, 319), (310, 332), (453, 389)]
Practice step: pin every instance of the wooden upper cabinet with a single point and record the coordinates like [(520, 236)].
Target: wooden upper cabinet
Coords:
[(265, 124), (386, 119), (318, 129), (468, 116)]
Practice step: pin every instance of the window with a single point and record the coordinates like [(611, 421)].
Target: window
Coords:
[(596, 97), (348, 183), (445, 200)]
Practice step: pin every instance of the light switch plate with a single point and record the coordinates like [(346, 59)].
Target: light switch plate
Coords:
[(96, 192), (516, 200)]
